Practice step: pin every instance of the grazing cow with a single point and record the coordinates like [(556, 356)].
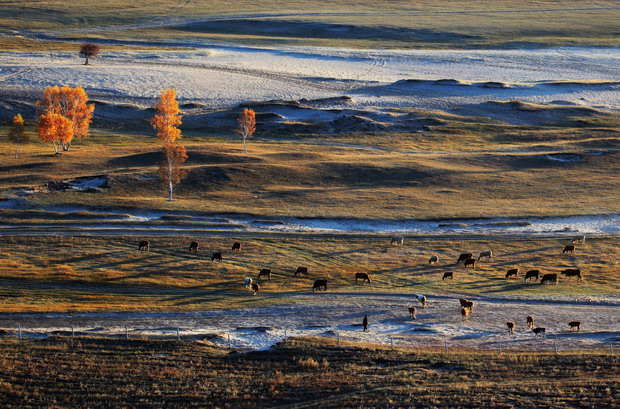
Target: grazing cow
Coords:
[(569, 249), (512, 273), (433, 260), (485, 253), (532, 274), (217, 256), (576, 325), (469, 305), (540, 331), (412, 312), (362, 276), (255, 288), (549, 278), (193, 246), (463, 257), (422, 300), (248, 282), (301, 271), (511, 327), (236, 246), (447, 275), (265, 272), (470, 262), (579, 239), (398, 240), (318, 284), (144, 245), (463, 302), (572, 272), (465, 313), (530, 321)]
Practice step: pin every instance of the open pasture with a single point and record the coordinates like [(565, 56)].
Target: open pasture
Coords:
[(62, 273)]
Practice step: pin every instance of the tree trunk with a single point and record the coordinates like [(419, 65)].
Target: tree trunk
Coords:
[(16, 150), (86, 62), (244, 149), (170, 176), (56, 148), (66, 146)]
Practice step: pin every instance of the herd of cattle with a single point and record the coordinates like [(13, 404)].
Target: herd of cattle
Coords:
[(467, 259)]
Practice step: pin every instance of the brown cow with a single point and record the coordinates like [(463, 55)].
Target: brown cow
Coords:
[(236, 246), (463, 257), (576, 325), (433, 260), (265, 272), (511, 327), (362, 276), (532, 274), (193, 246), (144, 245), (463, 302), (318, 284), (465, 312), (512, 273), (412, 312), (447, 275), (301, 271), (549, 278), (470, 262), (217, 256), (569, 249), (540, 331), (530, 321), (255, 288), (572, 272)]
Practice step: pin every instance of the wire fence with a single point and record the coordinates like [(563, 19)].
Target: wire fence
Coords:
[(268, 338)]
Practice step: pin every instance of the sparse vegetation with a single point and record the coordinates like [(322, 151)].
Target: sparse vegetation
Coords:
[(170, 374)]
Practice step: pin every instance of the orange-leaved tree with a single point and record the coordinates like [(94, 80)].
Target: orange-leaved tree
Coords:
[(56, 129), (71, 103), (170, 171), (165, 122), (17, 133), (247, 125)]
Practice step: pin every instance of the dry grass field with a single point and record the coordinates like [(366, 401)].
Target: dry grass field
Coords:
[(61, 372), (396, 24), (74, 274), (456, 170)]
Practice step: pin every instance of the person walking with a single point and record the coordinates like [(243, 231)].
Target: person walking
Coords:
[(365, 322)]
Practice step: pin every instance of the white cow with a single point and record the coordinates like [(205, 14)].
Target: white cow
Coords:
[(248, 282)]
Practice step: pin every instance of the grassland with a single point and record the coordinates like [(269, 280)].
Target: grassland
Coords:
[(456, 170), (383, 24), (299, 373), (73, 274)]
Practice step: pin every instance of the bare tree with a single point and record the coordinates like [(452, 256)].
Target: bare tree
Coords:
[(89, 50)]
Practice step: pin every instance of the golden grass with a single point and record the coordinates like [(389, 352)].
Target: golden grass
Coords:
[(425, 23), (57, 273)]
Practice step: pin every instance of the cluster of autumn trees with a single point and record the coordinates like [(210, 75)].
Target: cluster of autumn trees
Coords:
[(65, 114)]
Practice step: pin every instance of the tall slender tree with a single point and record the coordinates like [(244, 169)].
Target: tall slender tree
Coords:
[(17, 133), (71, 103), (247, 126), (165, 122)]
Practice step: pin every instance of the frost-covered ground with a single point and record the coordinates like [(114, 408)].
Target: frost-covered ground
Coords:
[(333, 315), (223, 76)]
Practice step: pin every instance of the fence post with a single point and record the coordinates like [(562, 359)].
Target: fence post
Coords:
[(228, 341), (126, 332), (500, 348), (72, 332), (611, 348), (338, 333), (392, 343), (555, 347), (178, 334), (285, 334), (19, 331), (446, 346)]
